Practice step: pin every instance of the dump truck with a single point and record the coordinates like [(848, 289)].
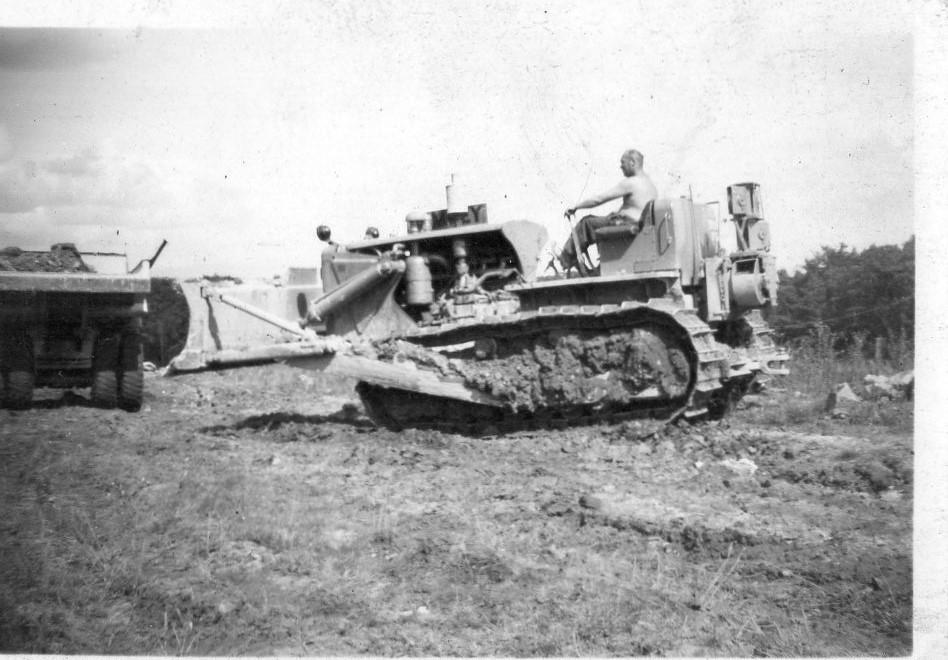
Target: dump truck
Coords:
[(454, 324), (72, 319)]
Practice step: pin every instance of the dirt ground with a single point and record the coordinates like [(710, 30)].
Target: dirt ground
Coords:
[(257, 511)]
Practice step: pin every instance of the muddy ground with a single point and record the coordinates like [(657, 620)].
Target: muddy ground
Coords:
[(257, 511)]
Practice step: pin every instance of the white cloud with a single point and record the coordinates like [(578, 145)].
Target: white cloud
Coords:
[(85, 179), (222, 219)]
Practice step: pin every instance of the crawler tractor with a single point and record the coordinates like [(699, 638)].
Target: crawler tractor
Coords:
[(455, 323)]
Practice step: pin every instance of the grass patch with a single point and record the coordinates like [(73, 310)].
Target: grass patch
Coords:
[(817, 366), (816, 370)]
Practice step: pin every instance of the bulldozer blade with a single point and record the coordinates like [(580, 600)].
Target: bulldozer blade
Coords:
[(243, 323)]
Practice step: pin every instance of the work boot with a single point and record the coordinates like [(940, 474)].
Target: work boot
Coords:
[(548, 257), (568, 262)]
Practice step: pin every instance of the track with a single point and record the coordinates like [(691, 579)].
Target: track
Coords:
[(560, 366), (398, 409)]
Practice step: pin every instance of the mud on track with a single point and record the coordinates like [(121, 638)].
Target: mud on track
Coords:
[(259, 512), (587, 367)]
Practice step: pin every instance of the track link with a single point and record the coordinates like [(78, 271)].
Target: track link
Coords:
[(398, 409), (690, 343), (761, 348)]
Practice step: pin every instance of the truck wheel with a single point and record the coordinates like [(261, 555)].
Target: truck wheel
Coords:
[(132, 384), (18, 373), (104, 372)]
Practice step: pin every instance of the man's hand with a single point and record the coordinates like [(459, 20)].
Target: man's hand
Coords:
[(570, 212)]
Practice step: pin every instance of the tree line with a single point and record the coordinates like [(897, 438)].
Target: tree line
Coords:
[(856, 296)]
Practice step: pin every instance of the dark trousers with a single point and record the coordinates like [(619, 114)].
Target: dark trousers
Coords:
[(585, 232)]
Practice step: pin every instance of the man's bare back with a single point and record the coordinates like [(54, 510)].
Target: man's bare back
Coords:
[(636, 190), (641, 190)]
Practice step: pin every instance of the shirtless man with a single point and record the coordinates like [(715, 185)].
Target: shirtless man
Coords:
[(636, 189)]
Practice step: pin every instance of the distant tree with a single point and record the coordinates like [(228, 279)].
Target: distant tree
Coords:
[(853, 294)]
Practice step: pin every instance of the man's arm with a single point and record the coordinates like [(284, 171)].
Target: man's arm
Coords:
[(621, 189)]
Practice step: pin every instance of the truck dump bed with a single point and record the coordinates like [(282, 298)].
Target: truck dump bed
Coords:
[(72, 319), (75, 282), (100, 273)]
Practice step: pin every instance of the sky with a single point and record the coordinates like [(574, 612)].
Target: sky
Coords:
[(232, 130)]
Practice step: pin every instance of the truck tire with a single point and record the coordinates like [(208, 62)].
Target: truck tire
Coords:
[(18, 374), (105, 377), (132, 383)]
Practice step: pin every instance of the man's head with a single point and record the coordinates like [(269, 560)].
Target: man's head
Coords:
[(632, 162)]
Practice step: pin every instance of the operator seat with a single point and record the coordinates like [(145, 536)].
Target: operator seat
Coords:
[(622, 233), (627, 231)]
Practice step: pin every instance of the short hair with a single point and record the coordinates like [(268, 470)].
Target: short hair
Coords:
[(635, 155)]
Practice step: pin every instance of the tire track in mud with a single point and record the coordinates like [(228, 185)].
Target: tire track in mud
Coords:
[(806, 491), (804, 486), (840, 545), (708, 490)]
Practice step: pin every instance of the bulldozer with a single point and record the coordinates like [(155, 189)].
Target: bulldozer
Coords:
[(454, 324)]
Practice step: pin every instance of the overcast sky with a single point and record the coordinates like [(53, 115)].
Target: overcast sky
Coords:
[(233, 133)]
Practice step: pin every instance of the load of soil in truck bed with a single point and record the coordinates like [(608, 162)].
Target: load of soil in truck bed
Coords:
[(61, 258)]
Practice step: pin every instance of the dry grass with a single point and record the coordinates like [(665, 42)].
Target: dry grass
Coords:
[(817, 366), (799, 400)]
